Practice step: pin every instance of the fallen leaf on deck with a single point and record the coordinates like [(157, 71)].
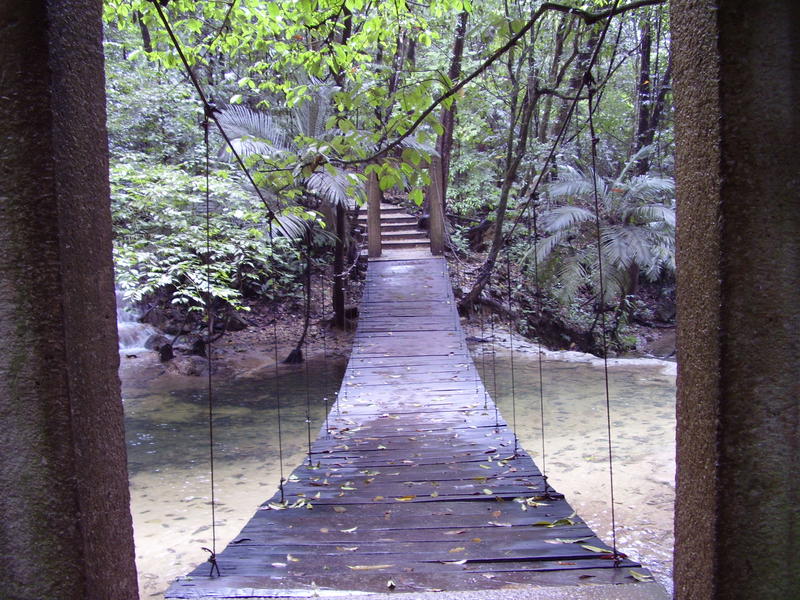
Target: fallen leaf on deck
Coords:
[(596, 549)]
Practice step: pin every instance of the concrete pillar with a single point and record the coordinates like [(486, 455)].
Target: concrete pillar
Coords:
[(65, 524), (373, 216), (436, 204), (737, 67)]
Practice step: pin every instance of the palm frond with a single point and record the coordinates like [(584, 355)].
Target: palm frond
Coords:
[(571, 183), (565, 217), (248, 146), (544, 247), (571, 275), (335, 188), (242, 122), (645, 187), (625, 244), (642, 153), (293, 226), (615, 283), (311, 114), (650, 213)]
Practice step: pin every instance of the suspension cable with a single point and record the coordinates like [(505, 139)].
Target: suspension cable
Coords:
[(596, 196), (511, 343), (208, 348), (210, 111), (277, 387), (562, 132), (307, 377), (539, 315), (494, 373), (483, 359), (325, 365)]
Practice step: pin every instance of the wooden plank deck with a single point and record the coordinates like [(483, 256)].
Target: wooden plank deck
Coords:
[(416, 485)]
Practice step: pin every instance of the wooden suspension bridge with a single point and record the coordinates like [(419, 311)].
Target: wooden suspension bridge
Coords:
[(415, 483)]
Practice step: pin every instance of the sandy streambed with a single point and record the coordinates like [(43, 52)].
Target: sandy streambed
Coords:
[(167, 432)]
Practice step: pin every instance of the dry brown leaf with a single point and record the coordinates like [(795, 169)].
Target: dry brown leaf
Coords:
[(368, 567)]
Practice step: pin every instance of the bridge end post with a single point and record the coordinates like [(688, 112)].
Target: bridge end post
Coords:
[(436, 204), (66, 524), (738, 243), (373, 216)]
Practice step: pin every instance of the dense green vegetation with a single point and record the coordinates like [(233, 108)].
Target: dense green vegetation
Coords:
[(315, 94)]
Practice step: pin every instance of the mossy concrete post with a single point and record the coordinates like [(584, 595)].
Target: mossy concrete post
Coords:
[(436, 204), (737, 521), (65, 523), (373, 216)]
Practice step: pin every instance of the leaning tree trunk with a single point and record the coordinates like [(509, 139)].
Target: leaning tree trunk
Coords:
[(296, 355), (444, 144), (514, 158)]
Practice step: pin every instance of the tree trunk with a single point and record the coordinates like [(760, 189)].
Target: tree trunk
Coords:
[(651, 95), (296, 355), (444, 144), (65, 522), (147, 43), (643, 95), (575, 81), (514, 158), (553, 76)]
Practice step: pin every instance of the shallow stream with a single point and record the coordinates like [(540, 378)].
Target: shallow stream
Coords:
[(168, 451)]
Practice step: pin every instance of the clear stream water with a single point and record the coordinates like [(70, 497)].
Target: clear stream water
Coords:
[(167, 433)]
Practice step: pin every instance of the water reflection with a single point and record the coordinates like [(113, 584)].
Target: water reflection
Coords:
[(572, 447), (166, 419), (167, 430)]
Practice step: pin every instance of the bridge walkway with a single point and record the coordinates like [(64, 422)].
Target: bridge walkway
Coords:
[(413, 484)]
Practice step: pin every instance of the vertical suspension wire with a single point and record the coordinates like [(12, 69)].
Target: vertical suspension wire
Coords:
[(539, 315), (483, 357), (325, 365), (604, 337), (209, 381), (511, 356), (307, 377), (494, 373), (277, 387)]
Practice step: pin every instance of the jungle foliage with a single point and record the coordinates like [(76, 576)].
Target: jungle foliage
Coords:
[(315, 94)]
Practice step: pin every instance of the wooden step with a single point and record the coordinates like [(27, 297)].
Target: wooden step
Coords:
[(406, 244), (403, 235), (400, 227), (392, 218)]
